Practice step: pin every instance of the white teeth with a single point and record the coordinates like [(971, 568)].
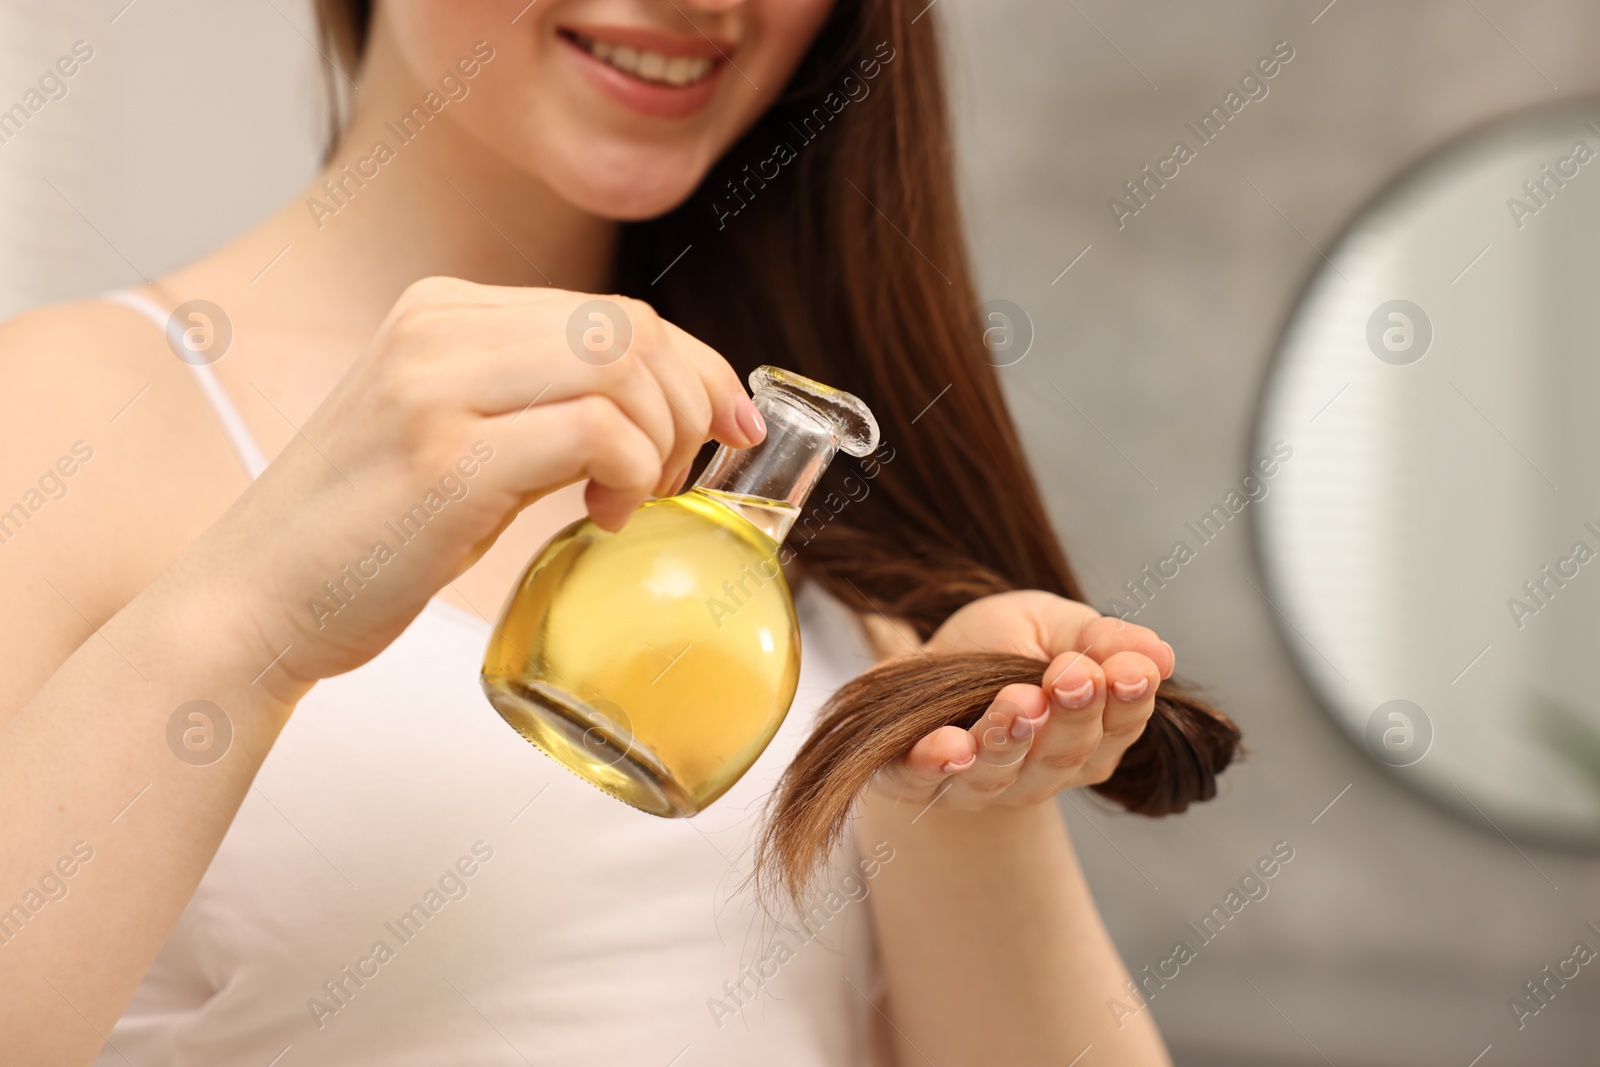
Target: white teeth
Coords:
[(650, 66), (680, 71)]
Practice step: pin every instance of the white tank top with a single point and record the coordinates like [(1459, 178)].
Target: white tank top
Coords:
[(409, 882)]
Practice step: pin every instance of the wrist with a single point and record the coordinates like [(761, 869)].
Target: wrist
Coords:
[(202, 627), (995, 822)]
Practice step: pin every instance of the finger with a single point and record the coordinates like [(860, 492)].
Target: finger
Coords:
[(1131, 681), (588, 437), (679, 390), (924, 769), (1077, 688), (1001, 739), (676, 485), (611, 506), (1107, 635), (684, 393), (499, 362), (734, 418)]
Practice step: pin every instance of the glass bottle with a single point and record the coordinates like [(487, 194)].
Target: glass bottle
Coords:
[(657, 662)]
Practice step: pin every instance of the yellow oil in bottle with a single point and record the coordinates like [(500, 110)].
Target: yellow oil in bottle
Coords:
[(656, 662)]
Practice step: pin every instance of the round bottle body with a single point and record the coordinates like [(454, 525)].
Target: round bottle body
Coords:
[(656, 662)]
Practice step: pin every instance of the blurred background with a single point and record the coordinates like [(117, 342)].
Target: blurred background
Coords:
[(1398, 932)]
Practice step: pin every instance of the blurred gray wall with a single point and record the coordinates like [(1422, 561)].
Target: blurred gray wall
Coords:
[(190, 122), (1396, 935)]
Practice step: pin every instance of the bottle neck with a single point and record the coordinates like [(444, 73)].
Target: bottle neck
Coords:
[(781, 470)]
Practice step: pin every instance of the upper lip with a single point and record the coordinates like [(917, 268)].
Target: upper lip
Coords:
[(668, 44)]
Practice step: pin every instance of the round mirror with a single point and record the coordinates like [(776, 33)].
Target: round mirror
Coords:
[(1431, 543)]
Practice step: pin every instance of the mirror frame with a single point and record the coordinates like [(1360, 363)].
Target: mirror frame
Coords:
[(1471, 142)]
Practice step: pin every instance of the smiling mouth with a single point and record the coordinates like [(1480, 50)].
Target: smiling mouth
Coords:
[(655, 68)]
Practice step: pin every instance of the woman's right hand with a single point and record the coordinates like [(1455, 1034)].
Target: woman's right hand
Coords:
[(468, 404)]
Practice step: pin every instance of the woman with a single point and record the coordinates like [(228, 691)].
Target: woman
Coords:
[(391, 876)]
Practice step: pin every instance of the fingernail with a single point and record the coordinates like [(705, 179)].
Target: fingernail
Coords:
[(1170, 651), (749, 420), (1077, 698), (677, 483), (1131, 690), (952, 767), (1022, 729)]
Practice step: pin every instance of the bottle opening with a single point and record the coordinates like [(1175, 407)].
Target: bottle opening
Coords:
[(807, 423)]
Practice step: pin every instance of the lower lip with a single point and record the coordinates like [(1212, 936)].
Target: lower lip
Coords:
[(645, 98)]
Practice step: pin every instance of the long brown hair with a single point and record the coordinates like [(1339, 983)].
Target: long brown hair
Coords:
[(828, 240)]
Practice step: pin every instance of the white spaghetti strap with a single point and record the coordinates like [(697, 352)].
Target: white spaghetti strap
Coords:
[(244, 442)]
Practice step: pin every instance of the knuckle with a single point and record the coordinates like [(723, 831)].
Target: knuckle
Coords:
[(432, 289), (1130, 732), (1096, 630), (605, 429), (425, 322), (723, 384), (1107, 625), (642, 312), (644, 470), (559, 300), (598, 421), (645, 321), (989, 785), (406, 388), (1098, 775), (702, 415), (1072, 757)]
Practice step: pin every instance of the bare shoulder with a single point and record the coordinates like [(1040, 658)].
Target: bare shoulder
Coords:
[(69, 360), (109, 466)]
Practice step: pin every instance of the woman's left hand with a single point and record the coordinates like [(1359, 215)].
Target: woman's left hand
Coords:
[(1036, 741)]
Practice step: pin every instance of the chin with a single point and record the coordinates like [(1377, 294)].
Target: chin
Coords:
[(626, 184)]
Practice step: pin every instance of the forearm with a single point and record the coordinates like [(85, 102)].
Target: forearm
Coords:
[(992, 949), (92, 783)]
